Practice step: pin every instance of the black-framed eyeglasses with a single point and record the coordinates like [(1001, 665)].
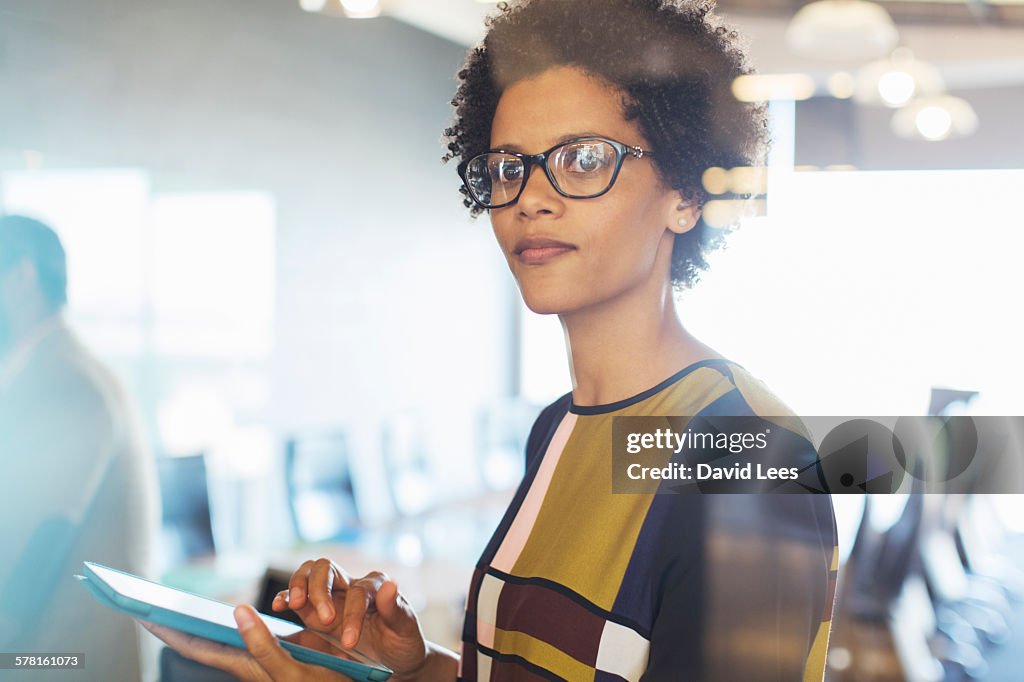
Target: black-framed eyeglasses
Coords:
[(584, 168)]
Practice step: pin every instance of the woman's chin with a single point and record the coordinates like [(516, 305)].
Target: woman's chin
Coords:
[(548, 302)]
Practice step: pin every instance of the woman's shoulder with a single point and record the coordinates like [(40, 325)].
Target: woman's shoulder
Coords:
[(761, 399), (723, 387)]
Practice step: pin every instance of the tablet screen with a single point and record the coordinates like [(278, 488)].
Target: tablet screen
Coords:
[(171, 599), (309, 643)]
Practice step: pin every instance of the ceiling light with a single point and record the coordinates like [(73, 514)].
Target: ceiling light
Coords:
[(352, 9), (842, 85), (934, 122), (894, 81), (722, 213), (841, 29), (935, 119), (361, 9), (716, 180), (767, 87), (896, 87)]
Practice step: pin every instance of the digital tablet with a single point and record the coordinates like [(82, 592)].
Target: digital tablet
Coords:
[(211, 619)]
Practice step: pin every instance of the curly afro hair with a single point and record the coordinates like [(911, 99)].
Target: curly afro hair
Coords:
[(674, 64)]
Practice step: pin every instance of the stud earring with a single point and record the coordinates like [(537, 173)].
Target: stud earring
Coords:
[(683, 222)]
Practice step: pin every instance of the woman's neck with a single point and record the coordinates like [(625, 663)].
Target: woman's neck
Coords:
[(626, 345)]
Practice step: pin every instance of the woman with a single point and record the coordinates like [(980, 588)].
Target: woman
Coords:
[(584, 128)]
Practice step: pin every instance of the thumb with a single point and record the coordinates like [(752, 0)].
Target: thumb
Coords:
[(263, 646), (394, 610)]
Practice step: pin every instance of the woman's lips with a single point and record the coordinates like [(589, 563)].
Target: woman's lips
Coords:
[(538, 250), (542, 254)]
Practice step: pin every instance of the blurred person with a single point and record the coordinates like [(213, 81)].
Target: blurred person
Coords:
[(583, 129), (78, 482)]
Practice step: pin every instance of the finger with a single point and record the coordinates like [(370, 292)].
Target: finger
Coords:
[(360, 595), (307, 613), (323, 578), (394, 610), (221, 656), (280, 602), (264, 647), (297, 585)]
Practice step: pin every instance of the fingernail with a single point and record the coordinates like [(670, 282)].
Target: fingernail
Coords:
[(245, 619), (348, 638), (325, 613)]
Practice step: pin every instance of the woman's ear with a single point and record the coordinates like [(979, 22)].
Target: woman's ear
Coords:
[(685, 215)]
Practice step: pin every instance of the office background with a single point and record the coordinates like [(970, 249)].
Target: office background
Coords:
[(265, 245)]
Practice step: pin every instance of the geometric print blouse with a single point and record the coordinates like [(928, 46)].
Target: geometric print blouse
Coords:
[(578, 583)]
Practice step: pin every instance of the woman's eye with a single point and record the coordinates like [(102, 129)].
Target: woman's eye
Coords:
[(588, 159), (510, 172)]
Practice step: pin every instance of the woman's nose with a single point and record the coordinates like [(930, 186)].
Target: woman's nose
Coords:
[(539, 197)]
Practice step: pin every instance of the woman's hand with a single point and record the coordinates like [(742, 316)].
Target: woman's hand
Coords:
[(262, 660), (368, 614)]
